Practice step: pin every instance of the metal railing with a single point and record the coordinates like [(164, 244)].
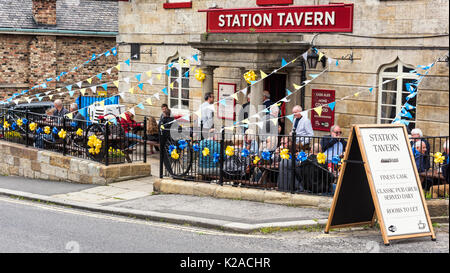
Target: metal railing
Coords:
[(102, 141), (287, 163)]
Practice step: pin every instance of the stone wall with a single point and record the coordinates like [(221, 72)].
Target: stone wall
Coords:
[(29, 162), (165, 34)]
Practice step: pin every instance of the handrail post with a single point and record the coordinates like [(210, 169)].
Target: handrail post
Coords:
[(106, 143), (145, 139), (222, 144), (161, 148), (293, 149)]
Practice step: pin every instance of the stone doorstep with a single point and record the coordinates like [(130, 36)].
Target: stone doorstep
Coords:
[(438, 209), (228, 192)]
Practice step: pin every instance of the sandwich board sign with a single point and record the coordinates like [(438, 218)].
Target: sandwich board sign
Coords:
[(379, 180)]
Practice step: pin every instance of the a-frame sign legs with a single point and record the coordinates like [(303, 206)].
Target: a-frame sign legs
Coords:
[(379, 180)]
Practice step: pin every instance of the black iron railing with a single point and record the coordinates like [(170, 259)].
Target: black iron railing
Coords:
[(106, 141), (288, 163)]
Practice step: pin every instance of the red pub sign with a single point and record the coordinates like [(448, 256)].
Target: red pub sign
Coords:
[(322, 18), (324, 121)]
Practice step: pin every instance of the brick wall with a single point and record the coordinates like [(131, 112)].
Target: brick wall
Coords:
[(28, 60), (44, 12)]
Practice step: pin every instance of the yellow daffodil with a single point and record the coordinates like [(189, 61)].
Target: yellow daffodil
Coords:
[(229, 151), (19, 122), (321, 157), (174, 154), (6, 125), (47, 130), (439, 158), (33, 126), (199, 75), (205, 152), (256, 160), (79, 132), (250, 76), (284, 154), (62, 133)]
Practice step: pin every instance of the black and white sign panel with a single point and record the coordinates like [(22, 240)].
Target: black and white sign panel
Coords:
[(395, 182)]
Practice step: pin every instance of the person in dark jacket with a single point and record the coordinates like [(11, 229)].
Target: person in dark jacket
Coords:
[(422, 163), (333, 144)]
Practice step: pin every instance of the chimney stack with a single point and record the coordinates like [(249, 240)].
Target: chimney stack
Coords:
[(44, 12)]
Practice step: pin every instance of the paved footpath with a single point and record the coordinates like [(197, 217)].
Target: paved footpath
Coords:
[(136, 198)]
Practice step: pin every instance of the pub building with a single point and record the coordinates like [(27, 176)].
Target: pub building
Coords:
[(369, 43)]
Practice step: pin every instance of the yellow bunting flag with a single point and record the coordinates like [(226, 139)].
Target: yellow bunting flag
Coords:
[(320, 56), (131, 90), (149, 73), (89, 80), (234, 96), (357, 94), (159, 76), (82, 91), (318, 110), (123, 116), (171, 85), (274, 121), (149, 101), (117, 67), (70, 115), (297, 87), (263, 75), (245, 120), (186, 62), (116, 83)]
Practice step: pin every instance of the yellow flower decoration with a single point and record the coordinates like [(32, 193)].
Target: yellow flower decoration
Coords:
[(33, 126), (199, 75), (19, 122), (205, 152), (174, 154), (95, 144), (47, 130), (6, 125), (321, 157), (62, 133), (439, 158), (79, 132), (256, 160), (229, 151), (250, 76), (284, 154)]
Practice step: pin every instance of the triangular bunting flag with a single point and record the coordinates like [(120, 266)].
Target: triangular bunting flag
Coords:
[(69, 115), (89, 80), (94, 89), (274, 121), (195, 57), (99, 76), (69, 87), (127, 62), (117, 67), (104, 86), (156, 95), (296, 87), (371, 89), (141, 85), (138, 77), (131, 90), (149, 101), (122, 94), (263, 75), (313, 75), (123, 116), (288, 92), (82, 91), (71, 93), (305, 56), (260, 124), (164, 90), (283, 62), (150, 81), (159, 76), (127, 79), (79, 84), (291, 117), (234, 96), (244, 91), (140, 105), (116, 83), (318, 110), (320, 56), (149, 73), (223, 102), (332, 105)]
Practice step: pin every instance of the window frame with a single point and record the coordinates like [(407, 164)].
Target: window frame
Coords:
[(181, 71), (400, 76)]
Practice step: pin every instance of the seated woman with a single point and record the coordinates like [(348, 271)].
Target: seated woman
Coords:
[(152, 133), (208, 162), (129, 124)]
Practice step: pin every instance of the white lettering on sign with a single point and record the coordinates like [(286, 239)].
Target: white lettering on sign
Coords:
[(284, 19), (395, 181)]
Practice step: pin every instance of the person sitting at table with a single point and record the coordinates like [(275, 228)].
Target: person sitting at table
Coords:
[(152, 133), (284, 180), (78, 120), (417, 135), (333, 144), (60, 111), (129, 124), (250, 142), (317, 178), (422, 162), (209, 149)]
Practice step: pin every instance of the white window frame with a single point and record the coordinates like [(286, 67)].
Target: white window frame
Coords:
[(178, 110), (399, 89)]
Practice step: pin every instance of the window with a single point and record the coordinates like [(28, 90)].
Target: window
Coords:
[(178, 87), (177, 4), (392, 95)]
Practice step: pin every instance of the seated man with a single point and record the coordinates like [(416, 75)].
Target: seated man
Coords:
[(315, 176), (208, 162), (417, 135), (78, 120), (333, 145), (129, 124), (422, 162), (285, 168)]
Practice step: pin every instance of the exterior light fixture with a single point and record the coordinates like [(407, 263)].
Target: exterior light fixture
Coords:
[(312, 58)]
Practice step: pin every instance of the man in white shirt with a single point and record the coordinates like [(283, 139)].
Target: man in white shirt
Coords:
[(207, 112), (302, 127)]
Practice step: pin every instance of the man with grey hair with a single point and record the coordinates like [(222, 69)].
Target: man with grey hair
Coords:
[(333, 144), (266, 99), (417, 136), (302, 127), (60, 110), (78, 120)]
